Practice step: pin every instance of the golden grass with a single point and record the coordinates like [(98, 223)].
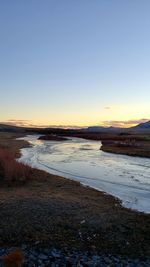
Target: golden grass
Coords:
[(12, 171)]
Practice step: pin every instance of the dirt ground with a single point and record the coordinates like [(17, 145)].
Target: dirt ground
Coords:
[(51, 210)]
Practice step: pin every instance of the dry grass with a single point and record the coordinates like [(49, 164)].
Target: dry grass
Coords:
[(142, 149), (9, 141), (12, 171)]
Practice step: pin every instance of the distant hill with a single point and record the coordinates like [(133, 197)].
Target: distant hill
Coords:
[(95, 128), (13, 128), (61, 131), (5, 127), (142, 126), (20, 129), (103, 129)]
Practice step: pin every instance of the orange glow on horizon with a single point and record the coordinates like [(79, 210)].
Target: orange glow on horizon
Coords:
[(119, 124), (111, 115)]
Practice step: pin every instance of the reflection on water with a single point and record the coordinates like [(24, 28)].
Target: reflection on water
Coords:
[(122, 176)]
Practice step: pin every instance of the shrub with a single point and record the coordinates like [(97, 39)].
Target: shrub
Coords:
[(12, 171), (14, 259)]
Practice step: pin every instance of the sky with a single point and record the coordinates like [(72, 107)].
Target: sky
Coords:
[(74, 62)]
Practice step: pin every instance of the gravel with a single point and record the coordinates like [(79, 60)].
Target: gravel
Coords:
[(52, 257)]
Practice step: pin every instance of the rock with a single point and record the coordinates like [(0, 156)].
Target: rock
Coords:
[(55, 254), (43, 257), (47, 257)]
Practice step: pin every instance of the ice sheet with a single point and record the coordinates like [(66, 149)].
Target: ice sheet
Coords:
[(125, 177)]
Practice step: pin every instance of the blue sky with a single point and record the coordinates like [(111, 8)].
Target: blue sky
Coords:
[(74, 62)]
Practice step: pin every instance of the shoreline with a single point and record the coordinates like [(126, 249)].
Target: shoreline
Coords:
[(130, 144), (115, 149), (137, 204), (52, 210)]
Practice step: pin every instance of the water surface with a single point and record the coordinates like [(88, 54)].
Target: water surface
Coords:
[(125, 177)]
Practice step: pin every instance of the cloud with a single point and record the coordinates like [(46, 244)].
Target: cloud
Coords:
[(107, 107), (107, 123), (21, 123), (15, 122), (128, 123), (28, 123)]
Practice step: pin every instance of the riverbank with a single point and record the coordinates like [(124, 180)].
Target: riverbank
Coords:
[(131, 144), (52, 137), (142, 149), (53, 211)]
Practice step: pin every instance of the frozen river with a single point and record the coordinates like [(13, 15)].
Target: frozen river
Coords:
[(125, 177)]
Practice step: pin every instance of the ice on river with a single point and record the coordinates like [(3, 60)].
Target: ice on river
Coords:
[(125, 177)]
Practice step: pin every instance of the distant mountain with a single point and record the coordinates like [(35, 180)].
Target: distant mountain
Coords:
[(142, 126), (5, 127), (103, 129), (13, 128), (95, 128)]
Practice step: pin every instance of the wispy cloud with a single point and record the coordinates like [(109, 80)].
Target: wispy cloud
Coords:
[(107, 107), (15, 122), (28, 123)]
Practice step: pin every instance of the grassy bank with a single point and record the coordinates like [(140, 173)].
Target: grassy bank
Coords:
[(8, 141), (128, 146), (142, 150), (12, 172), (51, 210), (132, 143)]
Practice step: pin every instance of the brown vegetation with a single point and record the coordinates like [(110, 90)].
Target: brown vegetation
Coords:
[(52, 137), (110, 136), (10, 141), (11, 171), (14, 259), (129, 147), (133, 144)]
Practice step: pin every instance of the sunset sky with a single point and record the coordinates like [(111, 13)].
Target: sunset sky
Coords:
[(74, 62)]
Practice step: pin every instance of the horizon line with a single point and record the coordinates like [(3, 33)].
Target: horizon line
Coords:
[(105, 124)]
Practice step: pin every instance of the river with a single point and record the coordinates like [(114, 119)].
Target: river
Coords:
[(125, 177)]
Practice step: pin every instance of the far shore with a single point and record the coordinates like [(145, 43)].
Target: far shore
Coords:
[(52, 137), (131, 144), (141, 150), (50, 210)]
